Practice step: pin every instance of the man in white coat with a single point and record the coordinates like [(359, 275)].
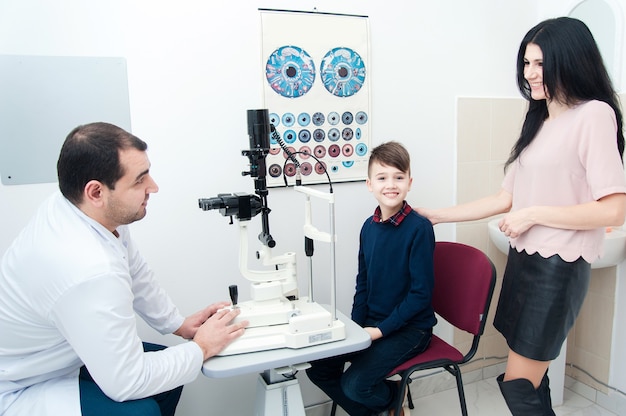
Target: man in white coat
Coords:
[(71, 283)]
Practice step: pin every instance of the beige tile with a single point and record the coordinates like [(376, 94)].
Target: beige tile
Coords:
[(571, 340), (603, 281), (496, 347), (507, 119), (472, 181), (473, 129), (497, 257), (597, 367), (496, 175), (474, 234), (594, 326)]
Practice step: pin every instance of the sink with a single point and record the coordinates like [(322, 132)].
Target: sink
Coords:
[(498, 238), (614, 245), (614, 249)]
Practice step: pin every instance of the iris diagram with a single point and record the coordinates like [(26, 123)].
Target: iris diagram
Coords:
[(342, 72), (290, 71)]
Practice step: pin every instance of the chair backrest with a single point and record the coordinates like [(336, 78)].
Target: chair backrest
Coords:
[(464, 282)]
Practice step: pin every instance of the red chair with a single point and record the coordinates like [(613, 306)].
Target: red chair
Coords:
[(464, 281)]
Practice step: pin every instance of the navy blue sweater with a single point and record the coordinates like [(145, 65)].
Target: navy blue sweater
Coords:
[(395, 280)]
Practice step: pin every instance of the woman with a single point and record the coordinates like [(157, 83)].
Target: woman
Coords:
[(564, 184)]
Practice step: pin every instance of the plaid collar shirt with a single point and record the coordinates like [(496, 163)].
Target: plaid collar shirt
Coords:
[(397, 218)]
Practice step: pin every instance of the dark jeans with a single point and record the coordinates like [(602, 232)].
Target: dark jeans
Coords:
[(93, 401), (362, 388)]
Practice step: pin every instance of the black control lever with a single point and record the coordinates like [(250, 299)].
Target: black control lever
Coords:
[(234, 294)]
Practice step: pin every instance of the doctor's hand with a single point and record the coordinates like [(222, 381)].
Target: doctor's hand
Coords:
[(191, 323), (218, 331)]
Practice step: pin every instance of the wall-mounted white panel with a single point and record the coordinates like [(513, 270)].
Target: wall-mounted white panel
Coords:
[(42, 98)]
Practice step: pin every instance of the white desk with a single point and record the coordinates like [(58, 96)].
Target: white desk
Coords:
[(278, 391)]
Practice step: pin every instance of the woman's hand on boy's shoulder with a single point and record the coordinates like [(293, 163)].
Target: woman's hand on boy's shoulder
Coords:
[(426, 213)]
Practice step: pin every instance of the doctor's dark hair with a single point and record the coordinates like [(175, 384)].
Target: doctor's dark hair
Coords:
[(390, 154), (92, 152), (573, 72)]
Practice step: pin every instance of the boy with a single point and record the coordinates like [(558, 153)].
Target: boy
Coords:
[(393, 294)]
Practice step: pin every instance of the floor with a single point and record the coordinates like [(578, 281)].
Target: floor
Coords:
[(484, 399)]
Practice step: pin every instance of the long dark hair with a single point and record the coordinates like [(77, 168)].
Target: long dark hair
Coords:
[(573, 72)]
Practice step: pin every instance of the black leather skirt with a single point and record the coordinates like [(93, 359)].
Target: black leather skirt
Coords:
[(539, 302)]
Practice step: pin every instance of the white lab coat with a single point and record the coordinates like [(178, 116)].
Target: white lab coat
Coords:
[(69, 291)]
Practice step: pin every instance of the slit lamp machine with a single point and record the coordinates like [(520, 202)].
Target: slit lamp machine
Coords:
[(278, 317)]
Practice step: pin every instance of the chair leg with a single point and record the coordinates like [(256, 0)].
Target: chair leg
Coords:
[(404, 386), (460, 390), (410, 399)]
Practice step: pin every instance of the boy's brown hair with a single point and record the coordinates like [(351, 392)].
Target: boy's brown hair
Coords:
[(390, 154)]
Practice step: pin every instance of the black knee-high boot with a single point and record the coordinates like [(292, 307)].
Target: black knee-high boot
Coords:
[(544, 395), (523, 399)]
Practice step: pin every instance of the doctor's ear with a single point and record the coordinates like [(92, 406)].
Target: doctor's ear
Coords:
[(93, 193)]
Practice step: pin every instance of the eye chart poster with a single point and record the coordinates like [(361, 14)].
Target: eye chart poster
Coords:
[(317, 91)]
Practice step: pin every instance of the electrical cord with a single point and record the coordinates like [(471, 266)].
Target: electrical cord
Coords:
[(292, 156), (615, 389), (330, 184), (281, 143)]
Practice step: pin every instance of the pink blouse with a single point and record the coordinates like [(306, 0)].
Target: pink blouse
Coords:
[(573, 160)]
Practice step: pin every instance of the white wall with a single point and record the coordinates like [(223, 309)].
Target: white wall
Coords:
[(194, 69)]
